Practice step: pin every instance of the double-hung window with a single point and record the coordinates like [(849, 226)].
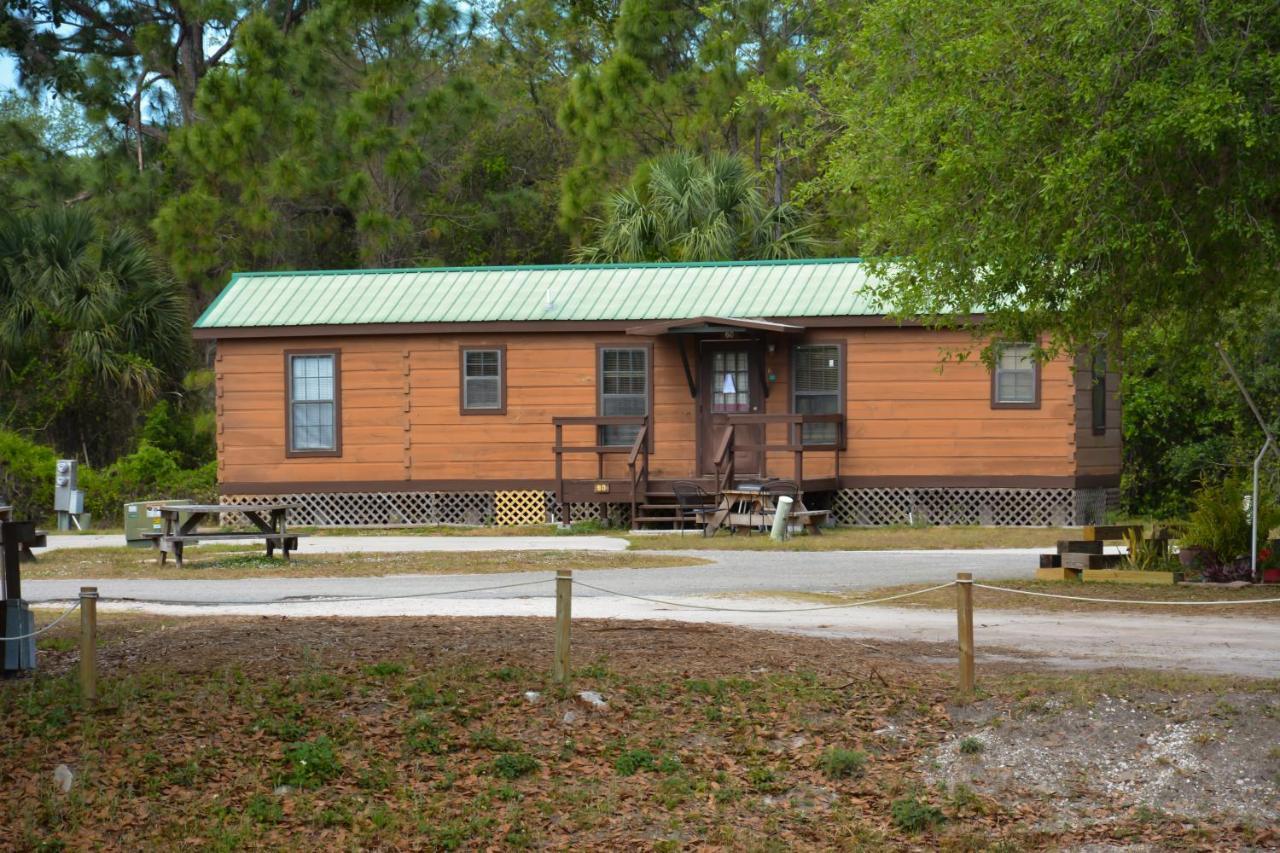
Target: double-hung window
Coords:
[(817, 381), (483, 381), (314, 426), (1015, 381), (623, 380)]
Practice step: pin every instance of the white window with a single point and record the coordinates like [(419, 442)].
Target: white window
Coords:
[(482, 380), (313, 416), (624, 390), (1015, 376)]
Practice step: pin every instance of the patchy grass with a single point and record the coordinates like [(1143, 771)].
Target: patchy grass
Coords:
[(862, 539), (989, 599), (406, 732), (222, 562)]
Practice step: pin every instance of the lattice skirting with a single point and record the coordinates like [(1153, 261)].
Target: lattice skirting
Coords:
[(391, 509), (1005, 507)]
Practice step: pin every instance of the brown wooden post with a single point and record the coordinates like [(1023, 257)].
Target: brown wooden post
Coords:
[(964, 625), (89, 644), (559, 450), (564, 608)]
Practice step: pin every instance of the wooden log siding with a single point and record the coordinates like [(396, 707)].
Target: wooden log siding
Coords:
[(905, 417)]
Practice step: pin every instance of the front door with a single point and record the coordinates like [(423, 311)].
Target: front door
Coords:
[(729, 385)]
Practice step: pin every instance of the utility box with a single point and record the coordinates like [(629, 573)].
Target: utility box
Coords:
[(16, 620), (142, 522), (68, 500)]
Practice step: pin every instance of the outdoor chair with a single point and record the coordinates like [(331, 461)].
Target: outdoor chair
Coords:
[(778, 488), (692, 499)]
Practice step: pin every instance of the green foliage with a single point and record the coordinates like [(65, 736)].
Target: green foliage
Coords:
[(148, 474), (683, 207), (26, 476), (513, 765), (90, 328), (914, 815), (1220, 525), (1147, 555), (839, 763), (633, 761), (311, 763), (1075, 167), (971, 745)]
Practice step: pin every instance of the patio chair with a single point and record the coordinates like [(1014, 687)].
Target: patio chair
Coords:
[(693, 500)]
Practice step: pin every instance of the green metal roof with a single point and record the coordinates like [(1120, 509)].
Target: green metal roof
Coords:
[(818, 288)]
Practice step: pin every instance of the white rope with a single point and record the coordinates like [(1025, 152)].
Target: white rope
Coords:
[(1130, 601), (40, 631), (314, 598), (763, 610)]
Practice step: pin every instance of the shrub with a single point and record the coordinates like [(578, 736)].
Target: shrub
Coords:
[(912, 815), (1220, 526), (844, 763), (26, 476), (971, 745)]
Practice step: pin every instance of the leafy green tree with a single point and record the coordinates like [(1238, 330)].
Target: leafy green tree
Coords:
[(1071, 165), (90, 330), (682, 207), (682, 75)]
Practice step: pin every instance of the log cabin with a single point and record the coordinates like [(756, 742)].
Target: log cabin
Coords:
[(513, 395)]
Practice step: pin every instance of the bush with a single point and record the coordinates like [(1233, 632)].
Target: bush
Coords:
[(1221, 528), (26, 476), (844, 763), (27, 468), (514, 765)]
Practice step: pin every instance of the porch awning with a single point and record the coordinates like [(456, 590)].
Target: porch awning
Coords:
[(712, 325)]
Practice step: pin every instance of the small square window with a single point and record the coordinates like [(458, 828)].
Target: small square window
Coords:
[(1017, 377)]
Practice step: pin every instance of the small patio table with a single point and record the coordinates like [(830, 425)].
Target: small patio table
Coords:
[(745, 507)]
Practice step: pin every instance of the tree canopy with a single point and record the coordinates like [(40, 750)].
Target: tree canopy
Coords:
[(1077, 166)]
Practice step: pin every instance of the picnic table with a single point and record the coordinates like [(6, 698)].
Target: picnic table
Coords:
[(744, 507), (269, 519)]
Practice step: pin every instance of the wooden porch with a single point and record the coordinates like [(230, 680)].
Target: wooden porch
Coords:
[(652, 499)]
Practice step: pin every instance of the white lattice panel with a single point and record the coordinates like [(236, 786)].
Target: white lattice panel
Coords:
[(378, 509), (1006, 507)]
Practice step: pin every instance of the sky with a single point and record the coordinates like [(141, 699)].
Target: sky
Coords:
[(8, 74)]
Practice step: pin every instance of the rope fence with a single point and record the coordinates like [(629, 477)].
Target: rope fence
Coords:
[(564, 584)]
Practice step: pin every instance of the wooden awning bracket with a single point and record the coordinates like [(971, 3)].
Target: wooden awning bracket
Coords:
[(688, 371)]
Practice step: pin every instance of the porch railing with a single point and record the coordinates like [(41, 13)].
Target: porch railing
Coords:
[(730, 443), (637, 454)]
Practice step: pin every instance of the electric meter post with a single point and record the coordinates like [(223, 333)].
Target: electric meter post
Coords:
[(68, 500)]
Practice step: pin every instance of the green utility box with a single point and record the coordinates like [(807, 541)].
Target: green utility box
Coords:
[(142, 522)]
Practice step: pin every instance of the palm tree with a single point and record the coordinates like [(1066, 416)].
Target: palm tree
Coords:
[(88, 321), (683, 207)]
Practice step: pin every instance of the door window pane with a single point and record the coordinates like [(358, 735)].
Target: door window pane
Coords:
[(313, 423), (624, 390), (816, 389), (730, 382)]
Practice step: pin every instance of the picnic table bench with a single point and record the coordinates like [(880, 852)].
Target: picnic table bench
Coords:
[(269, 519), (744, 508)]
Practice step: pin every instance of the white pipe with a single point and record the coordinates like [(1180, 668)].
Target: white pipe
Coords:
[(1253, 506), (780, 518)]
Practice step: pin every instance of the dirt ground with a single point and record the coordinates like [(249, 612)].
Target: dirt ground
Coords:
[(444, 733), (1166, 754)]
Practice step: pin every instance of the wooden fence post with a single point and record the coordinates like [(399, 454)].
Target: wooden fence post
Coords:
[(564, 608), (964, 626), (89, 644)]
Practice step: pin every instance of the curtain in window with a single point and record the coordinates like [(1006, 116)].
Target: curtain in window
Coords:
[(482, 379), (1015, 374), (816, 390), (624, 390)]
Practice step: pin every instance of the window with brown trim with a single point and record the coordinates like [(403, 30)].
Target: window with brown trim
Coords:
[(313, 407), (817, 388), (483, 380), (623, 379), (1098, 391), (1015, 377)]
